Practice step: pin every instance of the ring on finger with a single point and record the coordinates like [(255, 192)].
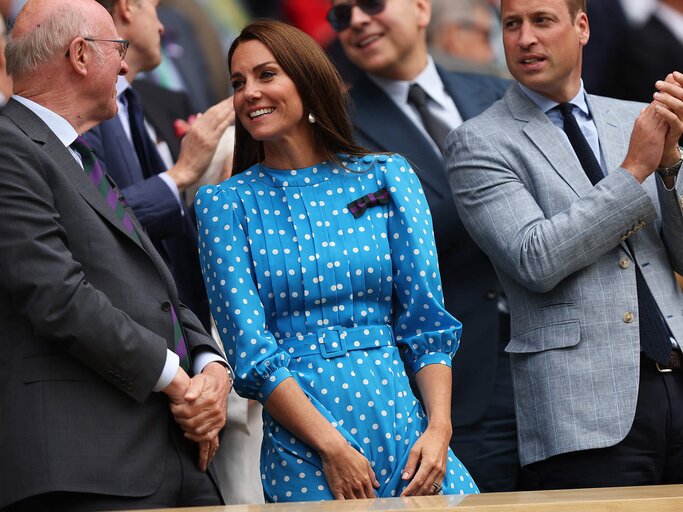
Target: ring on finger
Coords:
[(438, 487)]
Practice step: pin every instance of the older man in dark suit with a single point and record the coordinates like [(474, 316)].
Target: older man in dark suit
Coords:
[(102, 364), (403, 102)]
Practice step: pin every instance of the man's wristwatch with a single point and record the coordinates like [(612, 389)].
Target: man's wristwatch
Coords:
[(231, 375), (672, 170)]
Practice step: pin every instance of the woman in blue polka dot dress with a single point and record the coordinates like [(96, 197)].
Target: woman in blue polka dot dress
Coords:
[(321, 270)]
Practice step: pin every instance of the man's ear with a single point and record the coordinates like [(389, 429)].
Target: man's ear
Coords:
[(424, 12), (123, 10), (583, 28), (78, 56)]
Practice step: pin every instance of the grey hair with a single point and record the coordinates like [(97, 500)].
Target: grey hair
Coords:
[(48, 39)]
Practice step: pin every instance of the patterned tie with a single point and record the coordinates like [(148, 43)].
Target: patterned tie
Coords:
[(94, 170), (437, 129), (148, 155), (654, 332), (115, 200)]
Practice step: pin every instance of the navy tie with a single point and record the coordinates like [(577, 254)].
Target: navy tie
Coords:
[(654, 332), (150, 161)]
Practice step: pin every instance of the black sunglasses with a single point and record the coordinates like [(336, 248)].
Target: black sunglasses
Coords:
[(339, 15)]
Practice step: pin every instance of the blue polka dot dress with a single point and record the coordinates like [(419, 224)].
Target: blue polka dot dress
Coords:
[(299, 287)]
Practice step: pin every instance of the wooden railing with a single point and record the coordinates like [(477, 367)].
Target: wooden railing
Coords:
[(660, 498)]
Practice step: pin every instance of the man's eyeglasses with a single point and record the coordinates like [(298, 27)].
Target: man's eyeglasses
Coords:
[(121, 45), (339, 15)]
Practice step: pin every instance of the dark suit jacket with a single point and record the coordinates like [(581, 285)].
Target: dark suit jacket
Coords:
[(84, 310), (470, 285), (156, 207), (649, 54)]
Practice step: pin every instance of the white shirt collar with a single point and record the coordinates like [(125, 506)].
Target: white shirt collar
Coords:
[(428, 79), (638, 11), (546, 104), (122, 85), (672, 19), (60, 126)]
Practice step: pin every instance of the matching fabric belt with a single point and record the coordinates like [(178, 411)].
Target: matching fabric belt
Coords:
[(337, 341)]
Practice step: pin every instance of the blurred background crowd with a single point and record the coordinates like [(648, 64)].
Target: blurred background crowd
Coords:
[(632, 41)]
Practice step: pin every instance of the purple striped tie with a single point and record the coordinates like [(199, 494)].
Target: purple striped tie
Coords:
[(98, 177)]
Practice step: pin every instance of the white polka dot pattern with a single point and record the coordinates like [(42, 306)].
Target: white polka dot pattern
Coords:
[(284, 261)]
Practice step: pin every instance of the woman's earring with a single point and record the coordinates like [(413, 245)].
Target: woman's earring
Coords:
[(311, 118)]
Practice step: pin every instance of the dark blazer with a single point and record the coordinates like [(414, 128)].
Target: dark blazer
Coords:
[(649, 54), (470, 286), (156, 207), (85, 318)]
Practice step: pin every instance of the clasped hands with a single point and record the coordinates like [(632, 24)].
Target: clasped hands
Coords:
[(200, 406), (657, 130)]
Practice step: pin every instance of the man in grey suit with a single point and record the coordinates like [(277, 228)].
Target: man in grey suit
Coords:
[(387, 40), (93, 392), (576, 200)]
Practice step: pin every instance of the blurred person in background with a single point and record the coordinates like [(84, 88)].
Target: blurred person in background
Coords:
[(462, 36), (127, 147)]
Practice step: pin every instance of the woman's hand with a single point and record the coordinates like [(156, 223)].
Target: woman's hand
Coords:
[(348, 473), (426, 464)]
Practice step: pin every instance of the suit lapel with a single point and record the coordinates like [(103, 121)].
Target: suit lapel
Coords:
[(39, 132), (393, 131), (610, 133), (549, 141), (468, 99)]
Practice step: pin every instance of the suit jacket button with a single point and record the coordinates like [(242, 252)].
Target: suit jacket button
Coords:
[(628, 317), (624, 262), (166, 306), (490, 294)]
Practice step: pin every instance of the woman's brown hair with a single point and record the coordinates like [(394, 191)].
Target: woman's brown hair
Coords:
[(318, 82)]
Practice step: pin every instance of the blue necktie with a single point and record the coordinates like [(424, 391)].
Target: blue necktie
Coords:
[(145, 148), (654, 332)]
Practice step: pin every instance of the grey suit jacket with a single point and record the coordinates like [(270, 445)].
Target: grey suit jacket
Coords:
[(85, 318), (557, 244)]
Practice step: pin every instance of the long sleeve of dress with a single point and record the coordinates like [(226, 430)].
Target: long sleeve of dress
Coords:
[(233, 294), (430, 334)]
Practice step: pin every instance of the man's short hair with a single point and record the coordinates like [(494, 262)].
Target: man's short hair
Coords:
[(575, 7), (50, 38)]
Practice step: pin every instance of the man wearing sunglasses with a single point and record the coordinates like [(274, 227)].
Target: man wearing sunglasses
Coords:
[(387, 40)]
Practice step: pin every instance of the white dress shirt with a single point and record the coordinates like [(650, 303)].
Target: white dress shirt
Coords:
[(439, 101)]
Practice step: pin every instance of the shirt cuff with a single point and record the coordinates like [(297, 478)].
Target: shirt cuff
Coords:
[(169, 372), (174, 188), (203, 357)]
